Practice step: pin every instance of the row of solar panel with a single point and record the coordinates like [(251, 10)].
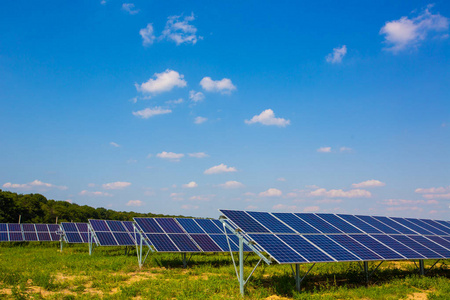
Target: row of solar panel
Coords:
[(187, 235), (75, 232), (309, 223), (13, 232)]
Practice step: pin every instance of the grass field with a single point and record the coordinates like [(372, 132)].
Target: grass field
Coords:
[(40, 271)]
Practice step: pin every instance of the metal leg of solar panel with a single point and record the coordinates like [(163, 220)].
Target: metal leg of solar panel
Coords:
[(366, 270), (298, 280), (422, 267)]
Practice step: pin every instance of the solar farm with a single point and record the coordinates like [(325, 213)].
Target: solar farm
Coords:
[(244, 253)]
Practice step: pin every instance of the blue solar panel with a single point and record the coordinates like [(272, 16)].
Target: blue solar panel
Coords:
[(4, 237), (15, 236), (123, 238), (106, 238), (360, 224), (339, 223), (3, 227), (431, 245), (99, 225), (281, 252), (377, 247), (397, 246), (44, 236), (395, 225), (208, 226), (84, 237), (350, 244), (437, 225), (441, 241), (443, 223), (296, 223), (318, 223), (14, 227), (270, 222), (28, 227), (377, 224), (70, 227), (73, 237), (115, 226), (148, 225), (332, 248), (242, 220), (169, 225), (206, 243), (221, 240), (426, 226), (41, 227), (190, 226), (162, 243), (413, 227), (82, 227), (310, 252), (416, 246), (75, 232), (218, 224), (30, 236), (183, 243)]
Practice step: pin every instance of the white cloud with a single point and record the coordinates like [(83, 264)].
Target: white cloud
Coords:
[(345, 149), (357, 193), (97, 193), (151, 112), (174, 102), (329, 201), (272, 192), (180, 31), (433, 190), (267, 117), (198, 155), (200, 120), (118, 185), (287, 208), (162, 82), (222, 168), (177, 196), (405, 33), (148, 37), (336, 56), (251, 207), (224, 86), (135, 203), (170, 156), (114, 144), (398, 202), (231, 185), (190, 185), (129, 8), (368, 183), (437, 196), (311, 209), (324, 150), (202, 198), (404, 208), (189, 206), (34, 184), (196, 96)]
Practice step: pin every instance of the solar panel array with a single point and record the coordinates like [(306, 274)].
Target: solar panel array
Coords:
[(187, 235), (75, 233), (308, 237), (14, 232), (114, 233)]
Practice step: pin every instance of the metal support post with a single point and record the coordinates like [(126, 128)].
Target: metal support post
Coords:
[(140, 253), (61, 243), (90, 242), (366, 270), (422, 267), (297, 277), (241, 264), (184, 260)]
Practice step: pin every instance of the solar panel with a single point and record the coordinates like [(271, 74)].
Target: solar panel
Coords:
[(162, 242), (436, 225), (295, 223), (189, 225), (338, 252), (270, 222), (209, 226), (398, 247), (318, 223), (426, 252), (183, 242), (339, 223), (75, 233), (377, 224), (352, 245), (112, 233), (221, 241), (169, 225), (431, 245), (242, 220), (280, 251), (365, 227), (310, 252), (148, 225), (205, 243), (426, 226), (413, 227)]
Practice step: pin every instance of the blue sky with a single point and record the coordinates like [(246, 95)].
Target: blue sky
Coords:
[(184, 108)]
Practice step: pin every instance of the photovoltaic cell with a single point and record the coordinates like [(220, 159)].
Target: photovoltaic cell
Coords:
[(355, 247), (377, 224), (339, 223), (431, 245), (4, 237), (123, 239), (437, 225), (162, 243), (270, 222), (28, 227), (189, 225), (44, 236), (318, 223), (115, 226), (75, 232), (414, 228), (416, 246), (3, 227), (242, 220), (73, 237), (295, 222), (221, 240), (148, 225), (169, 225), (218, 224), (309, 252), (360, 224), (426, 226), (332, 248), (281, 252), (14, 227), (106, 238), (443, 223), (397, 246), (99, 225), (395, 224), (15, 236), (183, 242), (377, 247), (208, 226), (206, 243), (441, 241)]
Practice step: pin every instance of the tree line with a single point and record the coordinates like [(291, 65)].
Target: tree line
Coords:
[(35, 208)]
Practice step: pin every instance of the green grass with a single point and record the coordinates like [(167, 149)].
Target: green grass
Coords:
[(40, 271)]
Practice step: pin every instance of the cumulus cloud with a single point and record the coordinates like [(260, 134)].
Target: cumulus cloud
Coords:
[(337, 55), (151, 112), (148, 37), (433, 190), (196, 96), (118, 185), (407, 32), (272, 192), (95, 193), (135, 203), (356, 193), (162, 82), (224, 86), (170, 156), (190, 185), (200, 120), (114, 144), (179, 30), (198, 155), (231, 185), (222, 168), (267, 117), (129, 8), (368, 183), (324, 150), (437, 196), (37, 184)]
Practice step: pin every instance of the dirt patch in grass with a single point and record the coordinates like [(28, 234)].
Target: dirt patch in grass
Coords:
[(418, 296)]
